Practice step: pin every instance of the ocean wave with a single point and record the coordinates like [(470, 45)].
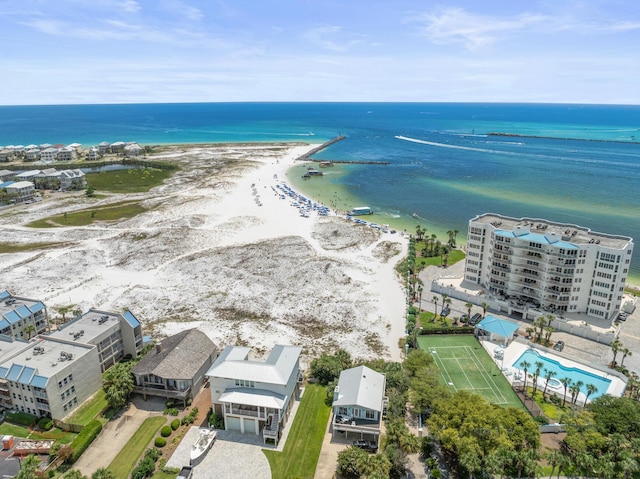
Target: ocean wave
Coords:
[(514, 153)]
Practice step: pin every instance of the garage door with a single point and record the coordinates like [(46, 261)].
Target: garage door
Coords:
[(250, 426), (232, 423)]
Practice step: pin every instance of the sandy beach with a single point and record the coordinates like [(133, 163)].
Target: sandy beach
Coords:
[(220, 250)]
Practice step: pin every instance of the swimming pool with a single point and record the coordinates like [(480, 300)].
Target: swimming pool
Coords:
[(575, 374)]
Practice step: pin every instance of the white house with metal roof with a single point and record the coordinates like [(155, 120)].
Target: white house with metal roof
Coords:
[(22, 318), (255, 396), (359, 402)]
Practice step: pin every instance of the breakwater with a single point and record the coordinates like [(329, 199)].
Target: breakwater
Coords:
[(307, 156)]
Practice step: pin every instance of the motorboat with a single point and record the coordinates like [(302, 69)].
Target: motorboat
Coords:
[(205, 440)]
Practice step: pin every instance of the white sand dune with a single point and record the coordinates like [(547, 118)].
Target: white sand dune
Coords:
[(219, 250)]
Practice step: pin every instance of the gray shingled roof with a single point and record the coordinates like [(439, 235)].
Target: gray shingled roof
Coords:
[(178, 357)]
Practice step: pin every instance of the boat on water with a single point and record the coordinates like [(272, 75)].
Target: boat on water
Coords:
[(361, 210), (205, 440)]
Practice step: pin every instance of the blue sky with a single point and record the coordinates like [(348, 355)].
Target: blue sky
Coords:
[(128, 51)]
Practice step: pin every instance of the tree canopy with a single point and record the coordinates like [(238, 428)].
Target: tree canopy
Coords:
[(118, 384)]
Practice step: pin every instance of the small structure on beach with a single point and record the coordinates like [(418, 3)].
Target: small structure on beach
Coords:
[(496, 330)]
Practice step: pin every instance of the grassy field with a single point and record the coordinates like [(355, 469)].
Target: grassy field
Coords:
[(56, 434), (465, 365), (454, 256), (302, 450), (19, 248), (126, 460), (114, 212), (134, 180), (90, 410)]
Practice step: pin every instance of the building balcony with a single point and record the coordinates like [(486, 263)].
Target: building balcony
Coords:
[(162, 391), (245, 410)]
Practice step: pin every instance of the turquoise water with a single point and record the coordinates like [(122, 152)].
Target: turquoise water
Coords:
[(575, 374), (577, 164)]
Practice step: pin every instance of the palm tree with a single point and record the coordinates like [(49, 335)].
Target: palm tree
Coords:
[(590, 390), (64, 310), (536, 375), (29, 329), (468, 305), (484, 307), (553, 458), (102, 473), (432, 241), (445, 296), (575, 391), (615, 347), (525, 367), (435, 301), (420, 290), (566, 382), (548, 375), (625, 352), (455, 235)]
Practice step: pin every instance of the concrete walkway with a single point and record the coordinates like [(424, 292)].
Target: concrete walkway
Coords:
[(116, 433)]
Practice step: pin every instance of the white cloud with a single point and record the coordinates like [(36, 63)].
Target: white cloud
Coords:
[(455, 25), (178, 7), (321, 36)]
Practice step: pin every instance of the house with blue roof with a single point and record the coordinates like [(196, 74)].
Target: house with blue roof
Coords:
[(22, 318)]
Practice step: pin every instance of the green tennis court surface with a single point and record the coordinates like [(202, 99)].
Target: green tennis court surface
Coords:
[(465, 365)]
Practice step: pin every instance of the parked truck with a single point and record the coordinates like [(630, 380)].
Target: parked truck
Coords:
[(185, 473)]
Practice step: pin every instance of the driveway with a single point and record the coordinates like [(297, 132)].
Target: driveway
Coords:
[(116, 433), (233, 455)]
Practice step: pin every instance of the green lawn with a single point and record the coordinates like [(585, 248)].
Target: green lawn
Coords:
[(56, 434), (465, 365), (134, 180), (300, 456), (19, 248), (123, 210), (128, 457), (90, 410)]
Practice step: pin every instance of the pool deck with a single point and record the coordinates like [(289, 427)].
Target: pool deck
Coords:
[(516, 348)]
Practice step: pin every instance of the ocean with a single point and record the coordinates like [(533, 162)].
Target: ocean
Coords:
[(577, 164)]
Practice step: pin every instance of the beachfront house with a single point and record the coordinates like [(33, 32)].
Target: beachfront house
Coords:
[(6, 155), (49, 155), (20, 190), (93, 154), (255, 397), (32, 154), (22, 318), (116, 335), (132, 150), (359, 403), (66, 154), (7, 175), (177, 367), (72, 179)]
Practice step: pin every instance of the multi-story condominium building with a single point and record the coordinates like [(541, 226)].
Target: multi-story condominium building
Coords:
[(22, 318), (554, 266), (115, 335), (48, 376)]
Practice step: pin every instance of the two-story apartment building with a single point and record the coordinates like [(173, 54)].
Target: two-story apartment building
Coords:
[(115, 335), (22, 318), (255, 397), (555, 266), (49, 377)]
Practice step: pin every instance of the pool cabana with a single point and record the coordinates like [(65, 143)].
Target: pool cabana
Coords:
[(499, 331)]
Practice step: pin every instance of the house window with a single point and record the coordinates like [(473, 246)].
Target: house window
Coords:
[(245, 384), (342, 411), (369, 414)]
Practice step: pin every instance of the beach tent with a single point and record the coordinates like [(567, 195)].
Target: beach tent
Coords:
[(497, 330)]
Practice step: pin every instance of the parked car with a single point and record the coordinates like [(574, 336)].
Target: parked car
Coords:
[(622, 317), (370, 446), (559, 346), (445, 311), (464, 318), (475, 319)]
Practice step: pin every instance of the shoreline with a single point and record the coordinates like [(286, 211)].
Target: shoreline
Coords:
[(220, 250)]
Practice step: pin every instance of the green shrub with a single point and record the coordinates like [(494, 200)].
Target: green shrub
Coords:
[(143, 470), (160, 442), (216, 421), (169, 403), (165, 431), (189, 402), (21, 418), (175, 424), (45, 424), (152, 453), (171, 411), (84, 439)]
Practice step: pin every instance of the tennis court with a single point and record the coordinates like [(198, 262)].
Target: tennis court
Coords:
[(465, 365)]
